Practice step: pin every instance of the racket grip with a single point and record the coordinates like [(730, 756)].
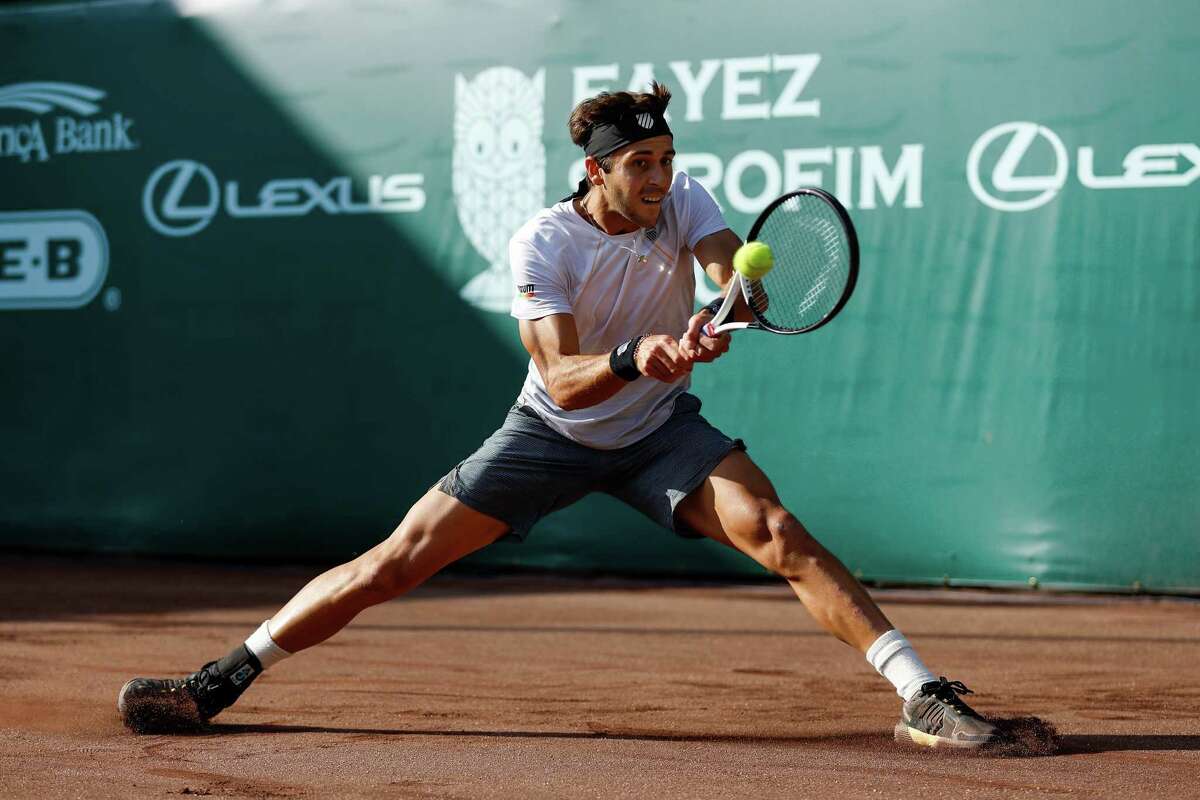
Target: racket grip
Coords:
[(708, 330)]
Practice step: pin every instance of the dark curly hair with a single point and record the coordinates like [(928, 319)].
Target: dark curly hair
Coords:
[(611, 107)]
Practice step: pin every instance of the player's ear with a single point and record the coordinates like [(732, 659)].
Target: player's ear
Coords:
[(595, 175)]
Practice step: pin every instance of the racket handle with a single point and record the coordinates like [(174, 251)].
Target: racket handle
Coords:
[(708, 330)]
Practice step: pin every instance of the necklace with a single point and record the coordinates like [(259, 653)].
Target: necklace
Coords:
[(588, 215), (592, 221)]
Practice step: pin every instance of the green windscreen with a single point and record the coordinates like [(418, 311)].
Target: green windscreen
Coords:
[(254, 280)]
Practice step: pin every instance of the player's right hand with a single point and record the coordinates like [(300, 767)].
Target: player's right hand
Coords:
[(697, 347), (658, 356)]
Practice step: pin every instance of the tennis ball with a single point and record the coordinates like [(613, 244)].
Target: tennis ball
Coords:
[(753, 260)]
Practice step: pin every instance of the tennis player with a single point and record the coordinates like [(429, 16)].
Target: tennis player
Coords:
[(604, 284)]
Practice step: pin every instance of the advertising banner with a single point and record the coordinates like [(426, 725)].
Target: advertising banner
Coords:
[(254, 285)]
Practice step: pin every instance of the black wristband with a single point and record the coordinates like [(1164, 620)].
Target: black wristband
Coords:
[(714, 306), (621, 360)]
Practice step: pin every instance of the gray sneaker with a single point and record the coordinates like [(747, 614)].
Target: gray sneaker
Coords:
[(937, 717)]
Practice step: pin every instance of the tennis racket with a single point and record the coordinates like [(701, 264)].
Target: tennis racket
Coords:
[(816, 266)]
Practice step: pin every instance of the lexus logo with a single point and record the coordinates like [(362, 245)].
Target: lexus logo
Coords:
[(182, 197), (164, 209), (1004, 189)]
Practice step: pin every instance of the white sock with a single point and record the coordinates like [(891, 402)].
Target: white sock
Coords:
[(264, 648), (894, 658)]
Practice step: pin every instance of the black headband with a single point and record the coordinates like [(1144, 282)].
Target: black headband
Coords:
[(609, 137)]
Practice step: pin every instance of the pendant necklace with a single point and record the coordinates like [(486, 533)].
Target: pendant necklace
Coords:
[(592, 221)]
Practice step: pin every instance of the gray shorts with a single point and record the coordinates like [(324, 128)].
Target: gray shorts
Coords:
[(525, 470)]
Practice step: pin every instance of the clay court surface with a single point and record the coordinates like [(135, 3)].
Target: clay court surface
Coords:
[(533, 687)]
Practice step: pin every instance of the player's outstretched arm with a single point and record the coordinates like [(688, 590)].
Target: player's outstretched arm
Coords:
[(715, 254), (575, 380)]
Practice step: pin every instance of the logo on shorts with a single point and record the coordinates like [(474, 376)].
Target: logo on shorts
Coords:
[(645, 120), (526, 290)]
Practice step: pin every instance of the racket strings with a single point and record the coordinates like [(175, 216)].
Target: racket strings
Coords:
[(812, 264)]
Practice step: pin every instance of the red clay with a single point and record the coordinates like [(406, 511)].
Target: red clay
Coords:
[(538, 687)]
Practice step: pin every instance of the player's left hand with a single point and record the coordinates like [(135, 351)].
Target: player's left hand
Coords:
[(695, 346)]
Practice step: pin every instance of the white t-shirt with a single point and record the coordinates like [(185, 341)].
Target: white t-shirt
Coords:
[(563, 265)]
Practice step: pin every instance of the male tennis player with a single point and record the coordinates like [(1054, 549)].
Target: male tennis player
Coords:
[(604, 283)]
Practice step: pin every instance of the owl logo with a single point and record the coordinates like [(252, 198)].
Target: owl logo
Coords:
[(498, 171)]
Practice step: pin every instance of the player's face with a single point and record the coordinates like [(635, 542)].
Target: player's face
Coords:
[(640, 178)]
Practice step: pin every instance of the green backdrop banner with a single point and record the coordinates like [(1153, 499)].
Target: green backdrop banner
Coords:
[(253, 278)]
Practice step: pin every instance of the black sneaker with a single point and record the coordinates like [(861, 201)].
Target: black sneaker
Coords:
[(149, 705), (937, 717)]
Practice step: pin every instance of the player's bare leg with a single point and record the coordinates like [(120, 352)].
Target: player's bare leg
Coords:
[(738, 506), (437, 531)]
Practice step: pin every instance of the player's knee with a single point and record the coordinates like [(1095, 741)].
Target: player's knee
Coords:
[(790, 550), (379, 582), (390, 572)]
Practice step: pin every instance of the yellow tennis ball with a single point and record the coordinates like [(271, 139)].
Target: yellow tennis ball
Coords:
[(753, 260)]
